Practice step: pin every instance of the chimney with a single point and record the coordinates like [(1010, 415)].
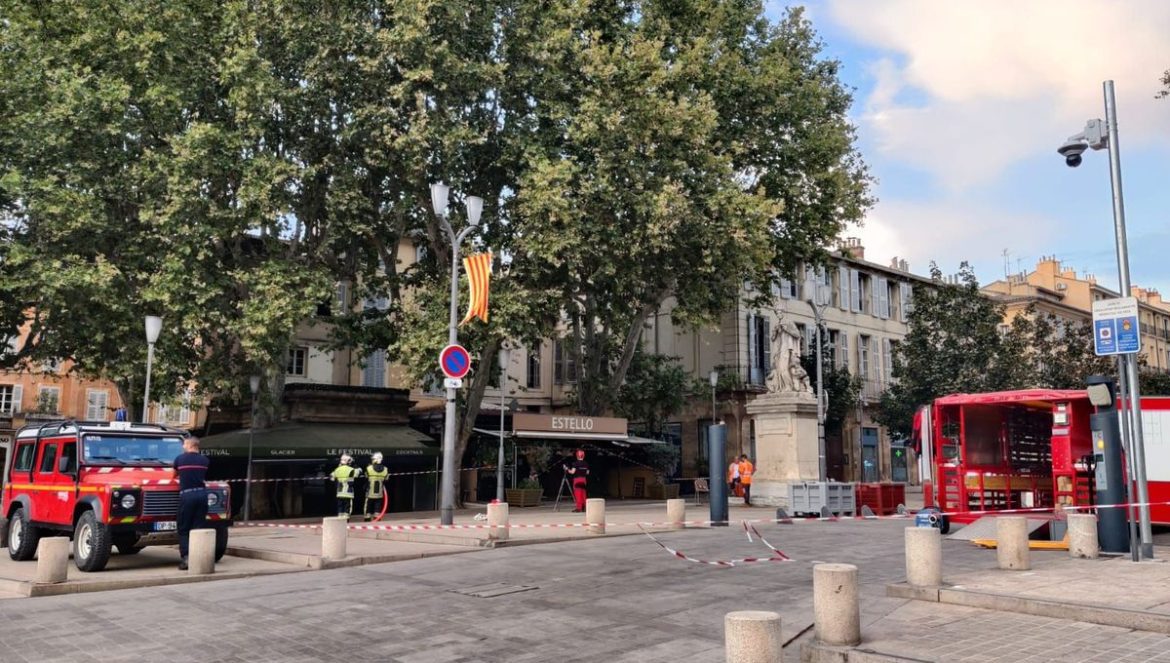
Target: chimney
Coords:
[(851, 246)]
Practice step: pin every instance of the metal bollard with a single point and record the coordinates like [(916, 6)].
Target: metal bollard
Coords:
[(752, 636), (333, 537), (923, 556), (1082, 536), (201, 552), (497, 514), (595, 515), (836, 613), (1011, 545), (676, 513), (52, 560)]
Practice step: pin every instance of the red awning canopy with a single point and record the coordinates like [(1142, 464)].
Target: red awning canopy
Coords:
[(1034, 397)]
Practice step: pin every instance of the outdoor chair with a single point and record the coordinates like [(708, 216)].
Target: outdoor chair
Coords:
[(701, 487)]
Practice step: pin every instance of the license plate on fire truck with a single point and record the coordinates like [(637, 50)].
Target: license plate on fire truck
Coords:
[(165, 526)]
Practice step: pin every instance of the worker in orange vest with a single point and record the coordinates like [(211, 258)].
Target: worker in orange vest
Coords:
[(733, 477), (745, 478)]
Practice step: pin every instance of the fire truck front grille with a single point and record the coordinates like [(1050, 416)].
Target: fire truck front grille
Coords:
[(160, 503)]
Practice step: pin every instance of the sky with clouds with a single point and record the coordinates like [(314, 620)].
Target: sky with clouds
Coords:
[(960, 107)]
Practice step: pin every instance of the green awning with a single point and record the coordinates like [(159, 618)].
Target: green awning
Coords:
[(295, 441)]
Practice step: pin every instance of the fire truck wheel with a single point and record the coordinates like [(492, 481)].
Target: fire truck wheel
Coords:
[(221, 541), (944, 525), (126, 544), (22, 537), (91, 543)]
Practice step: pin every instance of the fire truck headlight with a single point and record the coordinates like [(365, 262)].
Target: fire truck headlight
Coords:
[(128, 502)]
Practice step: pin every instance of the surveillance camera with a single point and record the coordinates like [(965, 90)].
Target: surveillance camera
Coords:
[(1072, 151)]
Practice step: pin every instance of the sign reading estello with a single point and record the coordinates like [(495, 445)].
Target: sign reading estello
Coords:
[(454, 361), (1115, 327)]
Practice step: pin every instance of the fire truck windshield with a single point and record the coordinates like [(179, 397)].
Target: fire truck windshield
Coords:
[(128, 449)]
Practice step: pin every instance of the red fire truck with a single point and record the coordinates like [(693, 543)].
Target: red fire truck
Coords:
[(1027, 449)]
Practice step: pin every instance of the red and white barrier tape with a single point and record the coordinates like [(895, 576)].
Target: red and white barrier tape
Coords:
[(697, 523), (777, 556), (329, 478)]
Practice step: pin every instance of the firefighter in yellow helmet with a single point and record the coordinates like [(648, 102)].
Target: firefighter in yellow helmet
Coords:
[(344, 476), (376, 474)]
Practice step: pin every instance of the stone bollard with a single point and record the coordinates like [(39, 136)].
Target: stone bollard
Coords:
[(836, 613), (676, 514), (1011, 543), (333, 533), (52, 559), (752, 636), (201, 552), (923, 556), (1082, 536), (498, 521), (595, 515)]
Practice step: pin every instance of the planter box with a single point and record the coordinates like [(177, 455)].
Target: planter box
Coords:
[(520, 497), (662, 492)]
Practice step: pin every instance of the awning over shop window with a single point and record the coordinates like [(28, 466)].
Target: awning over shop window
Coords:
[(295, 441), (568, 427)]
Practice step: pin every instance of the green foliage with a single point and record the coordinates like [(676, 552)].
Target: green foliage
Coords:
[(1058, 353), (842, 390), (953, 346), (656, 388), (1154, 383)]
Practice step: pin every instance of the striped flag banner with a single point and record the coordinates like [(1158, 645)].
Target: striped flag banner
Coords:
[(479, 274)]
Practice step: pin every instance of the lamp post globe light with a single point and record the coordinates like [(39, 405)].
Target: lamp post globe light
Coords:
[(439, 198), (254, 386), (1100, 135), (505, 357), (153, 328)]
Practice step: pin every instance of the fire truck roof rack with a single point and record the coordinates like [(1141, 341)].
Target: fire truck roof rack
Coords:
[(57, 426)]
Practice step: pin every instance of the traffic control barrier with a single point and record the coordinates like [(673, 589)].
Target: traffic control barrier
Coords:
[(676, 513), (201, 552), (1082, 536), (752, 636), (595, 515), (923, 556), (52, 559), (497, 514), (333, 537), (836, 613), (1011, 546)]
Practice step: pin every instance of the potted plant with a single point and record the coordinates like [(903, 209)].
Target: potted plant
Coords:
[(527, 494)]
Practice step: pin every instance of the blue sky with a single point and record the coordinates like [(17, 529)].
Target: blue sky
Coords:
[(960, 107)]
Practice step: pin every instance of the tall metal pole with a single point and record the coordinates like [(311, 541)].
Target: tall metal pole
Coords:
[(1126, 426), (1138, 442), (146, 395), (823, 468), (248, 480), (447, 492)]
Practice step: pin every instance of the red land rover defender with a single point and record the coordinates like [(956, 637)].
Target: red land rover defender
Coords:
[(103, 484)]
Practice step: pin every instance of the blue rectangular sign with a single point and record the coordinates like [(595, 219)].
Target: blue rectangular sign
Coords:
[(1128, 338), (1105, 337), (1115, 326)]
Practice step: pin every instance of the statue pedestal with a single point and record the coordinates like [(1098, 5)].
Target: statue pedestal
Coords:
[(786, 444)]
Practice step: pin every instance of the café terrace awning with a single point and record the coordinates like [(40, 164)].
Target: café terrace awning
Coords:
[(569, 428), (300, 441)]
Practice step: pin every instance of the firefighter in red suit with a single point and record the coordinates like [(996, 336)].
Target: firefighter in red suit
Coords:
[(579, 471)]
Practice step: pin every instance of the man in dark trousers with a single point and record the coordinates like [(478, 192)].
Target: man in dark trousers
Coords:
[(579, 471), (191, 470)]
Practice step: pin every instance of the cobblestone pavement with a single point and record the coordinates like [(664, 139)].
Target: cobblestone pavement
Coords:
[(612, 599)]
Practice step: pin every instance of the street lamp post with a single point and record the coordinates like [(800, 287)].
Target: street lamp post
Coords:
[(817, 302), (1099, 137), (713, 378), (439, 194), (254, 385), (505, 356), (153, 328)]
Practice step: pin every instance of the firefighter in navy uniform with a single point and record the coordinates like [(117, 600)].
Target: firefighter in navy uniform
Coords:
[(191, 470), (344, 476), (376, 474)]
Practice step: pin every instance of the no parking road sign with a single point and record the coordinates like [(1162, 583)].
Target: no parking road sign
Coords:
[(1115, 327), (454, 361)]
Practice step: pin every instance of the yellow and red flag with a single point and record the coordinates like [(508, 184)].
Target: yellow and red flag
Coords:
[(479, 274)]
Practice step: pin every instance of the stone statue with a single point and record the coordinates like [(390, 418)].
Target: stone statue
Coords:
[(787, 374)]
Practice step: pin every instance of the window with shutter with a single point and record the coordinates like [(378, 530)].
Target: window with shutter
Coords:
[(752, 376), (9, 404), (534, 368), (843, 355), (863, 356), (374, 370), (854, 291), (887, 361), (96, 401), (765, 337), (843, 288), (882, 290), (906, 295)]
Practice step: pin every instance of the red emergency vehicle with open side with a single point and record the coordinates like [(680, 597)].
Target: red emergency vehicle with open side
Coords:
[(103, 484), (1027, 449)]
